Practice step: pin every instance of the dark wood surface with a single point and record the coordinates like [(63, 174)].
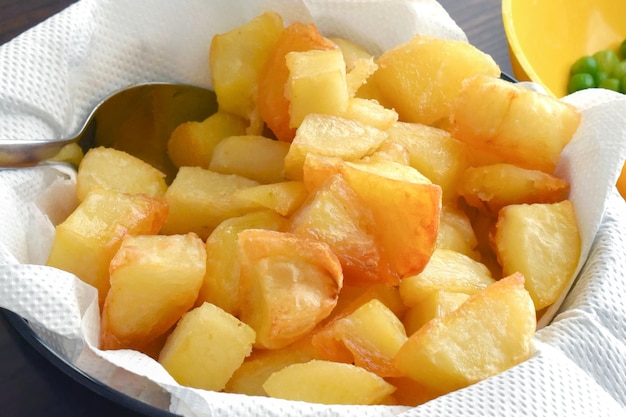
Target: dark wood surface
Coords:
[(30, 385)]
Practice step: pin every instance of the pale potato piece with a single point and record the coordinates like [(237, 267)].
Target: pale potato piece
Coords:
[(433, 152), (492, 187), (117, 170), (370, 112), (434, 304), (373, 334), (359, 73), (330, 136), (193, 143), (255, 157), (251, 375), (199, 200), (283, 197), (87, 240), (327, 382), (423, 89), (288, 284), (456, 232), (154, 279), (316, 84), (206, 348), (236, 58), (542, 242), (521, 126), (487, 334), (352, 52), (446, 270), (221, 281), (389, 151)]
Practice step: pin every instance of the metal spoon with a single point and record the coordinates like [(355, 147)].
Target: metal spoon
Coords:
[(137, 120)]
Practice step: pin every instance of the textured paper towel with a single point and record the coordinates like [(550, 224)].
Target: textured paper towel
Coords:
[(51, 76)]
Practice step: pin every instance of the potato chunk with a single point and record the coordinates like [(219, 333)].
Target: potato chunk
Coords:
[(117, 170), (422, 90), (206, 348), (255, 157), (200, 199), (221, 282), (372, 333), (87, 240), (154, 280), (521, 126), (435, 303), (333, 136), (492, 187), (236, 59), (434, 153), (446, 270), (316, 84), (251, 375), (288, 284), (273, 104), (543, 243), (334, 215), (488, 334), (405, 207), (327, 382), (192, 143)]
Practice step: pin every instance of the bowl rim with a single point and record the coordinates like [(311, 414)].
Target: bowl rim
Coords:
[(515, 49)]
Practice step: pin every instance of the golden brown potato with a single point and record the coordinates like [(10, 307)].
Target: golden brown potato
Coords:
[(423, 89), (331, 136), (87, 240), (446, 270), (199, 200), (334, 215), (372, 334), (405, 207), (521, 126), (468, 344), (492, 187), (192, 143), (288, 284), (236, 59), (434, 153), (221, 281), (154, 280)]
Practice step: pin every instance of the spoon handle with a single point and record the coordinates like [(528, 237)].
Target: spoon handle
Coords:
[(17, 152)]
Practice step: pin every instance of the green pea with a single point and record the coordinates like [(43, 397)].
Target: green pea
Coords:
[(610, 84), (580, 81), (607, 60), (620, 70), (599, 77), (586, 64)]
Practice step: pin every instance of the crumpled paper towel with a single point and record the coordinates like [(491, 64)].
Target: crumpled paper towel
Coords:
[(51, 76)]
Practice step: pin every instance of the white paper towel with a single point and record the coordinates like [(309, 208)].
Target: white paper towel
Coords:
[(51, 76)]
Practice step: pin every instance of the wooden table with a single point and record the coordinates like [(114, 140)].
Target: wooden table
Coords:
[(30, 385)]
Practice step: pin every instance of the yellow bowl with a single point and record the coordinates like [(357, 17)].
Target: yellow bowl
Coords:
[(546, 37)]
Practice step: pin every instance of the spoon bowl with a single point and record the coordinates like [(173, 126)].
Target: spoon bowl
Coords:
[(137, 120)]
